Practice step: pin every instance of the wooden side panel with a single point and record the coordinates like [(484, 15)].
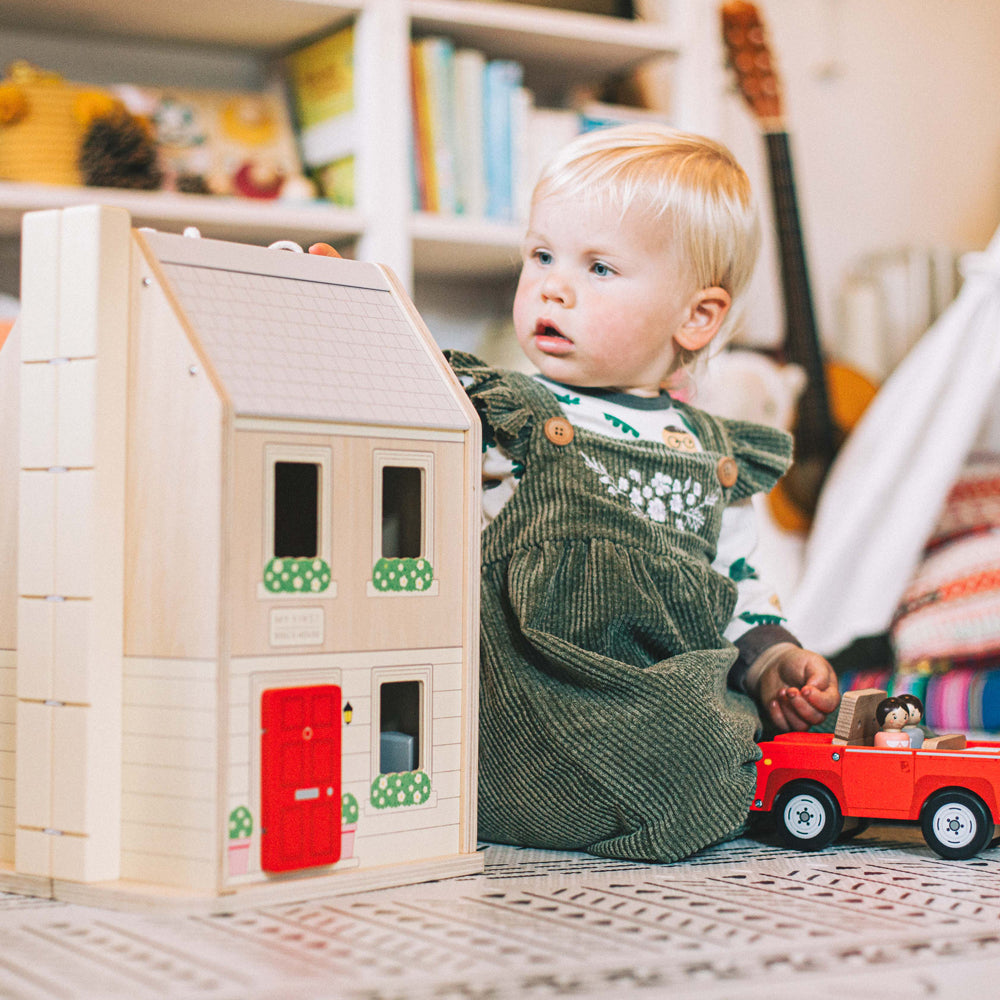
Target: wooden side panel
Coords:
[(71, 527), (8, 733), (170, 753), (10, 365), (174, 490)]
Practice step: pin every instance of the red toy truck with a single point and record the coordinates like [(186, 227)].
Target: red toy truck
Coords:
[(810, 782)]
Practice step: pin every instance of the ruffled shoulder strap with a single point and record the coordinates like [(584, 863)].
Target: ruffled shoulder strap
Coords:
[(503, 400), (762, 455)]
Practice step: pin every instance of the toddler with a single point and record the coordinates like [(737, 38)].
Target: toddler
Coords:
[(625, 632)]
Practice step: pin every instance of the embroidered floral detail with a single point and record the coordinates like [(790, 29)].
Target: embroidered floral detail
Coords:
[(621, 425), (665, 499)]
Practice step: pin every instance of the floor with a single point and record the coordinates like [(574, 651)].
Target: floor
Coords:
[(747, 919)]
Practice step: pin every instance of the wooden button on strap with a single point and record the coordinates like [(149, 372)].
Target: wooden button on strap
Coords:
[(727, 471), (558, 430)]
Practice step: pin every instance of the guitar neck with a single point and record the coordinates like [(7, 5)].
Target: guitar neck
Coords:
[(814, 433)]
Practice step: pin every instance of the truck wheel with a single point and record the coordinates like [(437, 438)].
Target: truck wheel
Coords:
[(956, 824), (807, 815)]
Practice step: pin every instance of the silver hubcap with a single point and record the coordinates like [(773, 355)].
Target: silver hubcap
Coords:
[(804, 816), (954, 825)]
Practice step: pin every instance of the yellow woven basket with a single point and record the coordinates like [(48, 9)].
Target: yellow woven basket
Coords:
[(42, 123)]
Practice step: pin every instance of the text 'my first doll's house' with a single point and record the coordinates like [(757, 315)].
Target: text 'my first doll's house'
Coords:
[(238, 659)]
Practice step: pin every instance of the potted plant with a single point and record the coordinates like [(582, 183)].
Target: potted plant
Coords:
[(240, 831), (348, 824)]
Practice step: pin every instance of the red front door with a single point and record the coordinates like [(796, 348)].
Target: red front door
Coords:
[(300, 777)]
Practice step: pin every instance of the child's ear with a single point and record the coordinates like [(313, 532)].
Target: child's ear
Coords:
[(706, 312)]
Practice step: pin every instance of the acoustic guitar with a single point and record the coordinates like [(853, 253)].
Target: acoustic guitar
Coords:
[(835, 396)]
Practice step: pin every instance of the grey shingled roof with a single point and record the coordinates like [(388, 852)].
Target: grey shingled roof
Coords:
[(311, 349)]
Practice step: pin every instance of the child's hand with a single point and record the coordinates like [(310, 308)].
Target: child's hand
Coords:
[(797, 688), (323, 250)]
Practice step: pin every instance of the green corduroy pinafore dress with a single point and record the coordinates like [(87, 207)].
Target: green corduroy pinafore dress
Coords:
[(605, 720)]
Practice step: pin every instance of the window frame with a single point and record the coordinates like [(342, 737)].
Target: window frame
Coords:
[(423, 460), (395, 675), (319, 455)]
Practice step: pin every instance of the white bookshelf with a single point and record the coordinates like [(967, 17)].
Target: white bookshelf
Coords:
[(233, 42)]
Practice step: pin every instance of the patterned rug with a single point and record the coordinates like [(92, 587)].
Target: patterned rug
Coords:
[(745, 919)]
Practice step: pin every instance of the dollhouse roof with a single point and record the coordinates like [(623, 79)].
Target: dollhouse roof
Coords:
[(308, 338)]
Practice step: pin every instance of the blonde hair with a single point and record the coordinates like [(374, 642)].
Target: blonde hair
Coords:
[(692, 184)]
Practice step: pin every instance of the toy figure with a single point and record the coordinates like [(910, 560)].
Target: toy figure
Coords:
[(618, 592), (892, 714), (915, 711)]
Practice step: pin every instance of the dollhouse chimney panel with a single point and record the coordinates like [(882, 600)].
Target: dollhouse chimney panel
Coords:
[(71, 529), (39, 317)]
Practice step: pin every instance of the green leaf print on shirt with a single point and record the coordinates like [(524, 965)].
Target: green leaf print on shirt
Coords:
[(687, 424), (756, 619), (621, 425), (489, 441), (742, 570), (566, 399)]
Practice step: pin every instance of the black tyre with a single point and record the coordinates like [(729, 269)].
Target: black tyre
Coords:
[(807, 816), (956, 823)]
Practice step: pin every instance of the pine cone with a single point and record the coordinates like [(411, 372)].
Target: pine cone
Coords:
[(192, 184), (119, 151)]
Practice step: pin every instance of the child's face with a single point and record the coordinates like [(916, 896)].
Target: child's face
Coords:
[(605, 301)]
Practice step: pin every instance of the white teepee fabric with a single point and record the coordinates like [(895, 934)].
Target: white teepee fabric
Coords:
[(885, 490)]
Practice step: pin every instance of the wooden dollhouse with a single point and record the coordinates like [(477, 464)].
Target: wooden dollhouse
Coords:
[(238, 659)]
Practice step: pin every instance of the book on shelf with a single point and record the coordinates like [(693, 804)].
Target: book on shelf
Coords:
[(606, 8), (432, 62), (470, 168), (501, 86), (320, 79), (479, 142), (547, 131), (598, 114), (421, 164)]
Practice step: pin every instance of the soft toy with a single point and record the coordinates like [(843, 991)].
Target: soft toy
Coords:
[(747, 385)]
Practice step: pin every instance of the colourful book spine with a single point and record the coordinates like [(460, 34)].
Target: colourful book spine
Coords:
[(321, 80), (470, 169), (423, 144), (502, 80), (439, 68)]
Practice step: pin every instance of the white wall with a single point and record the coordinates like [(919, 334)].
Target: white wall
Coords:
[(893, 108)]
